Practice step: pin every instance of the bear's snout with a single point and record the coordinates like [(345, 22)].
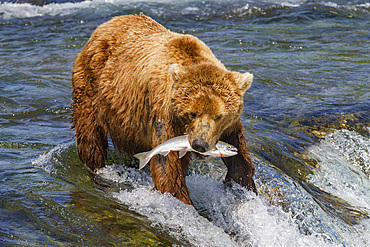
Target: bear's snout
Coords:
[(200, 145)]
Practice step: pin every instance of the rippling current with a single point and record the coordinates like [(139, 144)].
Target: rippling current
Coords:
[(306, 120)]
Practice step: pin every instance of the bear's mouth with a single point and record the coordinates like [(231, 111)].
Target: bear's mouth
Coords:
[(199, 156)]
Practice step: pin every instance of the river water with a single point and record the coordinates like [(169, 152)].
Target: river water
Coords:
[(306, 121)]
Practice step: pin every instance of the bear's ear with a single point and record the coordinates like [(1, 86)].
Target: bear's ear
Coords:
[(244, 81), (174, 70)]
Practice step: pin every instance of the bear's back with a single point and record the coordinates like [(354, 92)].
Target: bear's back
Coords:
[(124, 28)]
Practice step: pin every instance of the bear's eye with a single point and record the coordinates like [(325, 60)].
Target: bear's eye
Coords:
[(193, 115), (218, 117)]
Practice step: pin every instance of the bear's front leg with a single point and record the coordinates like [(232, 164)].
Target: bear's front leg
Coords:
[(240, 167), (169, 172)]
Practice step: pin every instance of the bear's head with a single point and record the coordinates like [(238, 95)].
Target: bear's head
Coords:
[(206, 100)]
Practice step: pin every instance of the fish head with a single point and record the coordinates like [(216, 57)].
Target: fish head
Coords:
[(226, 149)]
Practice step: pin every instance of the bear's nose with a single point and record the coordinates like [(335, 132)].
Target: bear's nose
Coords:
[(200, 145)]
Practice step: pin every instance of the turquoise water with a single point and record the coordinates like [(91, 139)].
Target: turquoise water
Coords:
[(306, 121)]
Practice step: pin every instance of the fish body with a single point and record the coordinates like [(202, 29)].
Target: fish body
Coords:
[(181, 144)]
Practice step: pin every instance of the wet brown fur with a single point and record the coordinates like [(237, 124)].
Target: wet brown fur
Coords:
[(141, 84)]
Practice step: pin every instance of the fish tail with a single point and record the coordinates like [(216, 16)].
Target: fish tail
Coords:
[(143, 158)]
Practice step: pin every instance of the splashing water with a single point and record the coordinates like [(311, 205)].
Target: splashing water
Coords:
[(250, 220)]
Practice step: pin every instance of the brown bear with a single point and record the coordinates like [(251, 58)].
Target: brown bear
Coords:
[(142, 84)]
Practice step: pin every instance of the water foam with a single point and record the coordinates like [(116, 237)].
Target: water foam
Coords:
[(220, 218), (48, 160), (224, 218), (163, 210), (344, 172), (344, 167), (228, 220), (26, 10)]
